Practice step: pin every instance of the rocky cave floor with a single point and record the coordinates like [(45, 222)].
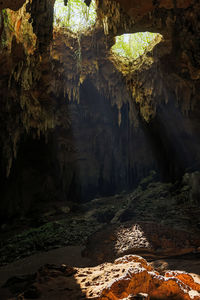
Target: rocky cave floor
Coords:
[(69, 251)]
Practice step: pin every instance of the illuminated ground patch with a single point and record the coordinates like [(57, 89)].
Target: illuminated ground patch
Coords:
[(76, 16), (133, 45)]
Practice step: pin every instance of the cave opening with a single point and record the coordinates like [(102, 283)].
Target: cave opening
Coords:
[(133, 45), (75, 15)]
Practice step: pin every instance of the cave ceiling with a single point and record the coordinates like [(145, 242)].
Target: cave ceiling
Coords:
[(12, 4)]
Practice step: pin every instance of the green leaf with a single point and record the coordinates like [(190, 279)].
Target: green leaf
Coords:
[(76, 15), (133, 45)]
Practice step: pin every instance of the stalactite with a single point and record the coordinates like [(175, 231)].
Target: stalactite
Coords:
[(112, 17)]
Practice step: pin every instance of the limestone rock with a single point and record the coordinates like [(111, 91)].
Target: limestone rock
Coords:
[(139, 277), (144, 238), (129, 277)]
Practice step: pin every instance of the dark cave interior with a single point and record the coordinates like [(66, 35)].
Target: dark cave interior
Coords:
[(100, 152)]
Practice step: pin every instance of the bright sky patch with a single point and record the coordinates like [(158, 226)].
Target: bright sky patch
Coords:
[(133, 45), (76, 15)]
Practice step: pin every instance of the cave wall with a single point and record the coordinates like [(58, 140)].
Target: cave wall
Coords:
[(12, 4), (94, 156), (91, 157), (174, 140)]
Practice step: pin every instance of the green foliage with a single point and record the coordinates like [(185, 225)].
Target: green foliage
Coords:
[(5, 16), (133, 45), (51, 235), (7, 20), (76, 15), (8, 27)]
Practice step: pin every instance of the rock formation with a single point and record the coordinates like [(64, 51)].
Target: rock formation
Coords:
[(138, 277), (129, 277)]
